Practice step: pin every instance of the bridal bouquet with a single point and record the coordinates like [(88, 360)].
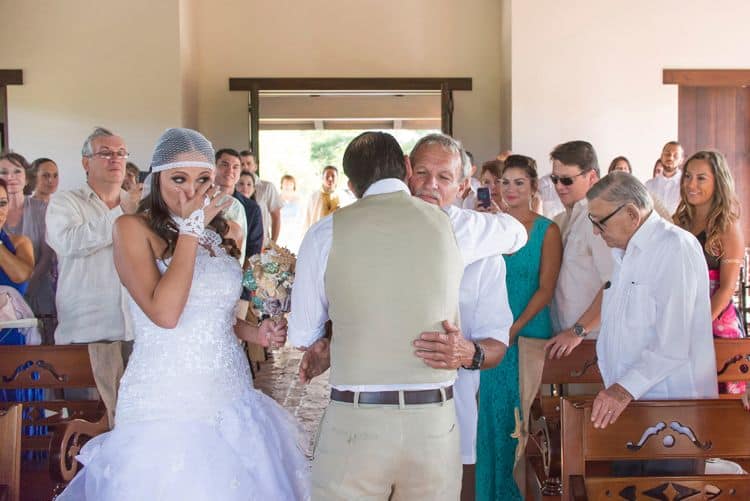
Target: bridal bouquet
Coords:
[(268, 280)]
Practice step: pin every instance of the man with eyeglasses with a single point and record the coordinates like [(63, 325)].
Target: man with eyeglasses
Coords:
[(587, 261), (91, 302), (655, 341)]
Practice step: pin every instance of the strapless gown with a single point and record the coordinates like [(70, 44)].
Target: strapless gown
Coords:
[(189, 424)]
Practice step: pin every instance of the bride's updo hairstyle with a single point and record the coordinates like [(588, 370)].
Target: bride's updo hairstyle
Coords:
[(178, 148)]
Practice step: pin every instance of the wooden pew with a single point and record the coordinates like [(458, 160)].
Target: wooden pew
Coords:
[(732, 361), (654, 430), (49, 460), (543, 469), (10, 453), (543, 451)]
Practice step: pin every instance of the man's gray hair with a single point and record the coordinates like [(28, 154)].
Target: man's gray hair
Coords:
[(88, 148), (622, 188), (449, 144)]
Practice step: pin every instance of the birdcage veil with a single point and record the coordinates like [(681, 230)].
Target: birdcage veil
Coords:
[(179, 147)]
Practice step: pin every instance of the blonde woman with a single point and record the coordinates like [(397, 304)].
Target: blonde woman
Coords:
[(710, 210)]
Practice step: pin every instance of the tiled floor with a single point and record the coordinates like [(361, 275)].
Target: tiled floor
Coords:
[(278, 378)]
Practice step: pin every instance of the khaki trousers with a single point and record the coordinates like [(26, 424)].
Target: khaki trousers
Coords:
[(370, 452)]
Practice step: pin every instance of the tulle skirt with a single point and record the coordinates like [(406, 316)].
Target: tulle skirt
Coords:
[(251, 449)]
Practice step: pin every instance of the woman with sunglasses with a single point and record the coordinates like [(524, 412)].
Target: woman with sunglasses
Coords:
[(709, 209), (531, 278)]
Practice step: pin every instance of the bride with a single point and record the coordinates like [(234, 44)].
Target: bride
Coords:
[(189, 426)]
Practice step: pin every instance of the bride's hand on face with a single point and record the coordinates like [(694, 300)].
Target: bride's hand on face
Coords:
[(272, 334), (217, 202)]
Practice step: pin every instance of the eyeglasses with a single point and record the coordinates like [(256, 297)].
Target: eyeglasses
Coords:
[(566, 181), (600, 224), (109, 154)]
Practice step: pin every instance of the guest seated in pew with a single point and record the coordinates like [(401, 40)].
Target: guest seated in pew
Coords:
[(654, 342), (709, 209)]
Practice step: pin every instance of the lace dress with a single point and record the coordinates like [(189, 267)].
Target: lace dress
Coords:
[(189, 424), (498, 387)]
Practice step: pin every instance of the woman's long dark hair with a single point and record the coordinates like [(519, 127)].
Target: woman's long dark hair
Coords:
[(155, 211)]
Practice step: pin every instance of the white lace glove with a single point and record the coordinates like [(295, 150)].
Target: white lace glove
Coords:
[(192, 225)]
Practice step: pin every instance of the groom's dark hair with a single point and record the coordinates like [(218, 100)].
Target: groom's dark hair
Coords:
[(370, 157)]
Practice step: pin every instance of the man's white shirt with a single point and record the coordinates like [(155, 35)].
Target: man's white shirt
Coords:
[(666, 189), (91, 301), (656, 339), (485, 314), (479, 235), (586, 266)]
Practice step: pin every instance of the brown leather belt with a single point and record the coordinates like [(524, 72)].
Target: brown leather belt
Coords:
[(391, 397)]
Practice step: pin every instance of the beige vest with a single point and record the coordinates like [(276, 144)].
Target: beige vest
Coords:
[(393, 272)]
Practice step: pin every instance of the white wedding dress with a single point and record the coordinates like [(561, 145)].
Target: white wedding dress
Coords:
[(189, 424)]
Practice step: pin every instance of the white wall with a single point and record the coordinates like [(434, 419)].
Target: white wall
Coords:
[(87, 63), (341, 38), (592, 69)]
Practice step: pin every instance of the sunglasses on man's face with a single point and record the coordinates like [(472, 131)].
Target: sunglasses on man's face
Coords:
[(566, 180)]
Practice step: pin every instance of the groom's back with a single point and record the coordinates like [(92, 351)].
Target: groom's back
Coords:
[(393, 271)]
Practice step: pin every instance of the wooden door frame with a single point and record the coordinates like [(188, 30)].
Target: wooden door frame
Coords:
[(707, 78), (8, 77), (446, 86)]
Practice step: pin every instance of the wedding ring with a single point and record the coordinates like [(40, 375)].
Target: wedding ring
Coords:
[(610, 412)]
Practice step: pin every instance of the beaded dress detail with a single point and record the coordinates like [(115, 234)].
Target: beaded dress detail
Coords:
[(189, 424)]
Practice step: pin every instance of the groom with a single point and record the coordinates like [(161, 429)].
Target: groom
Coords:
[(381, 270)]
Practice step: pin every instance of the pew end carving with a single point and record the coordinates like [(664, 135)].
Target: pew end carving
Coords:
[(654, 431)]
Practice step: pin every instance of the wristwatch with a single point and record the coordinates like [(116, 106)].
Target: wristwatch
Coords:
[(579, 330), (477, 360)]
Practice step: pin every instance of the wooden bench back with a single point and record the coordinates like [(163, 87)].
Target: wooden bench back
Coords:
[(732, 363), (10, 453), (649, 430), (51, 368), (732, 359), (579, 367)]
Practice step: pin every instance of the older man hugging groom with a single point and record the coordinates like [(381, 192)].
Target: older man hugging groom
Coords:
[(383, 270)]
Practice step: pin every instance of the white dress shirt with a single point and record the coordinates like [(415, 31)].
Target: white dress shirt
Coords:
[(586, 266), (236, 213), (485, 314), (91, 301), (479, 235), (551, 204), (470, 202), (666, 189), (269, 200), (656, 339)]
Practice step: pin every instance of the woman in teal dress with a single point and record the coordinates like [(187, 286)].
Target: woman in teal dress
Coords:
[(530, 278)]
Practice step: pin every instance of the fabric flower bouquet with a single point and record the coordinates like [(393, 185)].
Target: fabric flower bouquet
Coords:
[(267, 282)]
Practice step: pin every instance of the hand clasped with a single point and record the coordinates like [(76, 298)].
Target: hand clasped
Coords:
[(444, 350)]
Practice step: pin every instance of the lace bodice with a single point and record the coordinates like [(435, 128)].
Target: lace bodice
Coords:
[(197, 366)]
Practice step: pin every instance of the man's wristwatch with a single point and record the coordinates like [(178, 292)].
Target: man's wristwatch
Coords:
[(477, 360), (579, 330)]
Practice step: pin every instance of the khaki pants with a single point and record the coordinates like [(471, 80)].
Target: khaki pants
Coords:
[(387, 453), (379, 452)]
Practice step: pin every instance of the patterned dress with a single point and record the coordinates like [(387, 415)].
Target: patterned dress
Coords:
[(498, 387)]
